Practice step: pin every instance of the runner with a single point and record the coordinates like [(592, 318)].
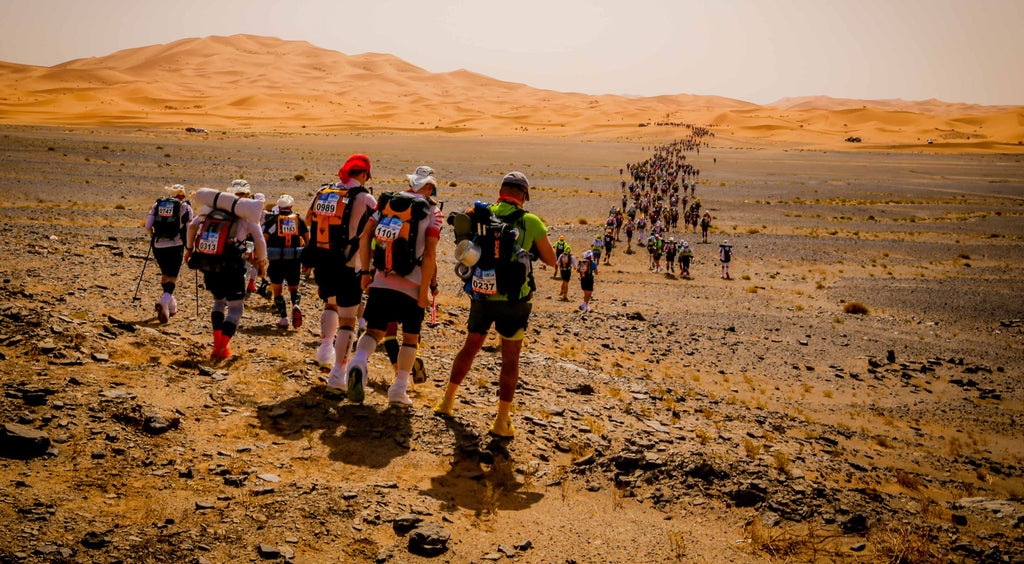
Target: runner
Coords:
[(560, 247), (336, 217), (705, 224), (218, 239), (286, 233), (670, 254), (630, 226), (587, 268), (565, 263), (406, 227), (609, 242), (685, 256), (508, 312), (166, 225), (725, 256)]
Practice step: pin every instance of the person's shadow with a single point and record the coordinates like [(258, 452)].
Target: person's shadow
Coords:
[(356, 434), (481, 477)]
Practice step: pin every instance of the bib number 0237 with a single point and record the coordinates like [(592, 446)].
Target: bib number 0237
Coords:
[(484, 282)]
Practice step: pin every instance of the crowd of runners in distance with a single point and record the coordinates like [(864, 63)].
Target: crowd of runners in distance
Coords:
[(661, 192)]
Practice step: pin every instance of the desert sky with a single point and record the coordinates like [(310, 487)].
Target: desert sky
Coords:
[(752, 50)]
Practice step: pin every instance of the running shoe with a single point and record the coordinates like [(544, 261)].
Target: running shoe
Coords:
[(356, 382), (398, 395), (325, 355), (296, 317), (419, 371), (161, 311), (337, 383), (282, 323), (445, 408), (502, 427), (172, 307)]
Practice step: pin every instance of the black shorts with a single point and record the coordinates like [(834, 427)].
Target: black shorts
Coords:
[(587, 284), (384, 306), (228, 285), (169, 259), (509, 318), (566, 275), (280, 270), (339, 281)]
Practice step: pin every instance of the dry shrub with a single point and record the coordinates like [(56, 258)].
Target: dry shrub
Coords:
[(907, 480), (856, 308), (782, 461), (798, 543), (900, 544), (752, 449)]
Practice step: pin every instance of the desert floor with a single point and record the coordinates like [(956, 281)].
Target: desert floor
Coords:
[(701, 420)]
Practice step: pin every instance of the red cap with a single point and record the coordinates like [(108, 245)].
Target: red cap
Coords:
[(355, 163)]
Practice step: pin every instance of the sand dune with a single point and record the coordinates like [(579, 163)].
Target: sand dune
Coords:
[(264, 83)]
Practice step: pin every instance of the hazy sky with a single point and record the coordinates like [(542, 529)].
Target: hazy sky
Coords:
[(754, 50)]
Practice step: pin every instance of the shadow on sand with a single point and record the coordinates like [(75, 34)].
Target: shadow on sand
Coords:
[(355, 434)]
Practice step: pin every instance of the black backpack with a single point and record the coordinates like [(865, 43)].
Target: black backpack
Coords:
[(213, 250), (503, 267), (167, 218), (397, 231)]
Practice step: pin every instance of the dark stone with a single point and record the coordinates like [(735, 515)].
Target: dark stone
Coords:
[(235, 481), (859, 547), (959, 520), (625, 462), (524, 546), (268, 551), (890, 356), (586, 460), (19, 441), (582, 389), (95, 540), (856, 523), (406, 523), (746, 497), (157, 424), (429, 540), (703, 470), (636, 316)]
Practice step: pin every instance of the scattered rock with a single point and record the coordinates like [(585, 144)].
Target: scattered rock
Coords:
[(19, 441), (268, 551), (95, 540), (406, 523), (429, 540)]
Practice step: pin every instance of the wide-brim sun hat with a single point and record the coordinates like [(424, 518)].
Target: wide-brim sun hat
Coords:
[(423, 176), (176, 191), (285, 202)]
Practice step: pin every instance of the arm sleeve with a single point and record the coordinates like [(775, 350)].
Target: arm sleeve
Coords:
[(149, 219)]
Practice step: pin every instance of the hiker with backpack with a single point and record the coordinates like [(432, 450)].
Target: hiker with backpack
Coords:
[(705, 224), (670, 250), (685, 256), (335, 218), (725, 256), (286, 234), (401, 235), (560, 247), (217, 241), (499, 243), (609, 243), (166, 227), (586, 269), (565, 264)]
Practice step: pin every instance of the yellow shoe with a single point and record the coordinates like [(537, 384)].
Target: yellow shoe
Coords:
[(502, 427), (445, 407)]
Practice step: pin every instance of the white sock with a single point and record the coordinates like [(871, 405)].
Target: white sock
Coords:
[(342, 342), (402, 380), (364, 349), (328, 324)]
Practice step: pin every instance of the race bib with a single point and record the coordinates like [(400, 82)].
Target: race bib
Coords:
[(288, 226), (208, 242), (327, 203), (484, 282), (388, 229), (165, 209)]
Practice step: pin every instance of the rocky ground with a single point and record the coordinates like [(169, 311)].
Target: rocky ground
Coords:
[(683, 420)]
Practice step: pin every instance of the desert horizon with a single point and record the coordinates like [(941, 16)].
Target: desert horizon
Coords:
[(253, 83)]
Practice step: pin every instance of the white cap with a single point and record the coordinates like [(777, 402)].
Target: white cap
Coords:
[(421, 177), (285, 202)]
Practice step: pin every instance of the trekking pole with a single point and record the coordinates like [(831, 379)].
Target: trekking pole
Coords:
[(197, 293), (139, 284), (433, 313)]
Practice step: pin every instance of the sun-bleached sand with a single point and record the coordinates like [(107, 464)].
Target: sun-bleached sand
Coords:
[(255, 83)]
